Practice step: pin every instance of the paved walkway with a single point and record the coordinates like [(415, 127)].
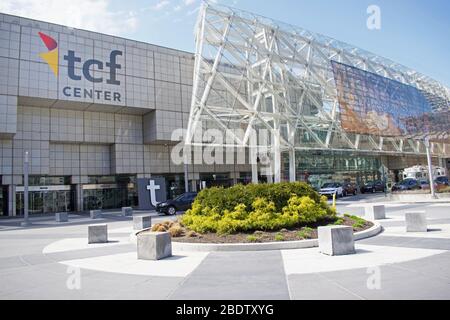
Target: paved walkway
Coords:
[(43, 262)]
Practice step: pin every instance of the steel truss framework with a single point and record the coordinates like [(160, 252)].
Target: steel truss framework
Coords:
[(252, 73)]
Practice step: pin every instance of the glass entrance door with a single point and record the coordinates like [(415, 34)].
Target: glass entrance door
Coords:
[(46, 202), (37, 203)]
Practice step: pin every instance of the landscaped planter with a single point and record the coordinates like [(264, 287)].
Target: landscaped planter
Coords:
[(372, 230), (283, 245), (257, 217)]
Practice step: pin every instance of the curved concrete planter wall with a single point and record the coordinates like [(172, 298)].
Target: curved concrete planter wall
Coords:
[(301, 244)]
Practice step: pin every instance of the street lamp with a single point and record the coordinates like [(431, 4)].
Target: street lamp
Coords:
[(430, 167), (26, 162)]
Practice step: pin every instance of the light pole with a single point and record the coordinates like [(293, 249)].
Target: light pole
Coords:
[(186, 169), (26, 162), (430, 167)]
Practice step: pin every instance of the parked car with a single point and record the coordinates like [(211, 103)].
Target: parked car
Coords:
[(424, 184), (349, 188), (373, 186), (330, 188), (181, 203), (442, 181), (407, 184)]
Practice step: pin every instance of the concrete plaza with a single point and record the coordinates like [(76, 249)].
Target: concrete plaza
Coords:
[(53, 261)]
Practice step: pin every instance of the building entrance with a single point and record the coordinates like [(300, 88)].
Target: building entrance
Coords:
[(46, 199)]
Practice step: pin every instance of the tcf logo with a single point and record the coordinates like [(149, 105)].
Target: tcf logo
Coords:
[(52, 59)]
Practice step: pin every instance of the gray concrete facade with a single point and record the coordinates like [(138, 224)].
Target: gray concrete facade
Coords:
[(107, 107)]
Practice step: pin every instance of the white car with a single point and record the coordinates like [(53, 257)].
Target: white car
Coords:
[(328, 189)]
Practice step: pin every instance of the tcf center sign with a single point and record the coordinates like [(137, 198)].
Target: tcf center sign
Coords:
[(78, 69)]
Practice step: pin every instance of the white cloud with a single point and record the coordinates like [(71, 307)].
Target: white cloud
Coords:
[(193, 11), (189, 2), (161, 5), (94, 15)]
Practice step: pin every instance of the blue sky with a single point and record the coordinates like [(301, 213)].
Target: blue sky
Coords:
[(415, 33)]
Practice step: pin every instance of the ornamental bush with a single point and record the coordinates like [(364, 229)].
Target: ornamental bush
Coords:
[(253, 207)]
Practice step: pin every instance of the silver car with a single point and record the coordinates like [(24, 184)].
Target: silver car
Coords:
[(331, 188)]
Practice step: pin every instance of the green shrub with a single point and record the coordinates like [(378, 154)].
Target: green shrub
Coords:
[(278, 193), (253, 207), (358, 222), (305, 233), (252, 238), (358, 225), (279, 237)]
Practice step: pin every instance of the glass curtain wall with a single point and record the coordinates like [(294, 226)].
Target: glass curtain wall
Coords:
[(110, 192), (318, 167)]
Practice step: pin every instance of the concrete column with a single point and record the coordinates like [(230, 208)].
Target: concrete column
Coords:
[(79, 197), (78, 181), (443, 164), (430, 167), (292, 174), (254, 164), (277, 159), (194, 186), (253, 156), (234, 176), (11, 200)]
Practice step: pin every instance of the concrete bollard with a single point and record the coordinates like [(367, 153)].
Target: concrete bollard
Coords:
[(336, 240), (416, 221), (127, 211), (142, 222), (98, 233), (95, 214), (61, 217), (154, 245), (375, 212)]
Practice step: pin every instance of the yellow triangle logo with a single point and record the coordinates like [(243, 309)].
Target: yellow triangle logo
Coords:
[(51, 58)]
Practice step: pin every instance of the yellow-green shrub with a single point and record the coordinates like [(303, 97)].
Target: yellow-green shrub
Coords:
[(256, 207)]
